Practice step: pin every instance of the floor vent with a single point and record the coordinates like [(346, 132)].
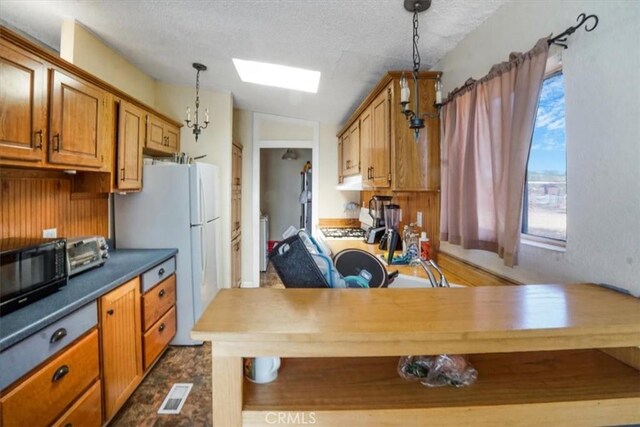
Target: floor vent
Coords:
[(175, 399)]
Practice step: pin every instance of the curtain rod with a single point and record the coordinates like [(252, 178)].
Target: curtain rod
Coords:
[(561, 38)]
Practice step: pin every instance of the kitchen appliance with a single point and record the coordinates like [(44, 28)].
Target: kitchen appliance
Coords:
[(178, 207), (84, 253), (305, 198), (376, 211), (391, 240), (343, 233), (29, 270)]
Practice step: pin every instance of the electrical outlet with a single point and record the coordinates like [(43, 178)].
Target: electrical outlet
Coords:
[(419, 219), (50, 233)]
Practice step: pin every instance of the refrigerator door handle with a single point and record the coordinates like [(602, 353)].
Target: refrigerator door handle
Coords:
[(203, 236)]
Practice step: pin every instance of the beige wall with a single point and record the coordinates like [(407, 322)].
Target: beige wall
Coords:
[(82, 48)]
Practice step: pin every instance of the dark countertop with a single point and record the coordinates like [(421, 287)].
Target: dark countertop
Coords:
[(123, 265)]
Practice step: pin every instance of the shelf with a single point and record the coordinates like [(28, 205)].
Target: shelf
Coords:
[(578, 387)]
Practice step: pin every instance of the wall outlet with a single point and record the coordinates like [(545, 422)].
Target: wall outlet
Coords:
[(419, 219), (50, 233)]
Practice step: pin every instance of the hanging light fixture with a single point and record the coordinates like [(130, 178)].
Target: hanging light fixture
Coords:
[(197, 128), (416, 121), (289, 155)]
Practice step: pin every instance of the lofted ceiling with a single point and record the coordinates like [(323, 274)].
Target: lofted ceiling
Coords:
[(351, 42)]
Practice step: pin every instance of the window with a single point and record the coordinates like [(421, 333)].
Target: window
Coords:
[(545, 198)]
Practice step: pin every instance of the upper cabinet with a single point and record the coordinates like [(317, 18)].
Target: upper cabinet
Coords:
[(163, 138), (351, 151), (389, 157), (78, 115), (23, 101), (131, 134)]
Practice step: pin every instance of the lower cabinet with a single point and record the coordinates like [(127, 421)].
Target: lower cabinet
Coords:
[(121, 344), (236, 274), (86, 412), (159, 319), (45, 394)]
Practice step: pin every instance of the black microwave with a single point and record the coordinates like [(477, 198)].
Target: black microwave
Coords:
[(29, 270)]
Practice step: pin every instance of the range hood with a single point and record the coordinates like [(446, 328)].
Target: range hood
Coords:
[(351, 183)]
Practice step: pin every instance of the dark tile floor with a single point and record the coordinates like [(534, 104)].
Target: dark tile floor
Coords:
[(178, 365)]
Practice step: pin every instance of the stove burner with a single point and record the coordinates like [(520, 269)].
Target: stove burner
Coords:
[(343, 233)]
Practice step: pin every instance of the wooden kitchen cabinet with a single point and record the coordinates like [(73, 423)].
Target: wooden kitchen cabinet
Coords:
[(236, 189), (23, 105), (131, 134), (162, 138), (158, 319), (77, 118), (389, 156), (236, 274), (121, 349), (44, 395), (351, 151)]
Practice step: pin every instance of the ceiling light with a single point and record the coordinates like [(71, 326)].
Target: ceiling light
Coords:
[(289, 155), (277, 75), (196, 126)]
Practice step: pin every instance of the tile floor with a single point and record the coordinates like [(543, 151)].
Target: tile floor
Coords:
[(178, 365)]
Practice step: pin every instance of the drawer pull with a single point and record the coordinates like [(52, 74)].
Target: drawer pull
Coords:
[(161, 293), (56, 145), (60, 373), (161, 327), (68, 425), (110, 312), (38, 146), (161, 272), (58, 335)]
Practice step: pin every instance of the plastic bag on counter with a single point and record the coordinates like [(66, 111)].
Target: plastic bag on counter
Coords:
[(438, 371)]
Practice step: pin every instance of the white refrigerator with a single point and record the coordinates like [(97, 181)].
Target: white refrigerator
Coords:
[(178, 207)]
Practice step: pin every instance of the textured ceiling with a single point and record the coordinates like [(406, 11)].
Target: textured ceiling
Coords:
[(352, 42)]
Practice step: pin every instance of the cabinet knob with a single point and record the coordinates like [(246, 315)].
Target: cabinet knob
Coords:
[(39, 144), (161, 293), (110, 312), (161, 272), (58, 335), (60, 373), (161, 327)]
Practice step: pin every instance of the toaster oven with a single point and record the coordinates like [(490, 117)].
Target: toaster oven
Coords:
[(84, 253)]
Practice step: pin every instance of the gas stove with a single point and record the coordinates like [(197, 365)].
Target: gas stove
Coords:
[(343, 233)]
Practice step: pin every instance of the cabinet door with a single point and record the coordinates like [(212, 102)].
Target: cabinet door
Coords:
[(121, 344), (346, 152), (131, 131), (78, 110), (366, 146), (172, 135), (381, 140), (353, 155), (23, 105), (155, 134), (236, 280), (340, 175)]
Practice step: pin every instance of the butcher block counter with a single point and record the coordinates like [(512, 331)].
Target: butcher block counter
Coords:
[(534, 347)]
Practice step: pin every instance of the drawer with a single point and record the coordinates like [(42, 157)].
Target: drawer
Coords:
[(86, 411), (158, 336), (152, 277), (32, 351), (45, 394), (157, 301)]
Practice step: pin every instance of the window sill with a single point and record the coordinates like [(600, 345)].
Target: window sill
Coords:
[(551, 245)]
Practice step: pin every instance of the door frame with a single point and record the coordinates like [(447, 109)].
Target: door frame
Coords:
[(258, 144)]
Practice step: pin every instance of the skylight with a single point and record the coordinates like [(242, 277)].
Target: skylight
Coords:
[(277, 75)]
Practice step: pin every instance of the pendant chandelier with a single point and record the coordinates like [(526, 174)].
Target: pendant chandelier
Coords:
[(196, 126), (415, 119)]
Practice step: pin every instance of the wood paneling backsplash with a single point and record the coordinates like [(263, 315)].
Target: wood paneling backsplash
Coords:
[(31, 201), (428, 202)]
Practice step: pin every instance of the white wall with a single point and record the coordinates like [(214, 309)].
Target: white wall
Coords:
[(602, 98), (280, 186)]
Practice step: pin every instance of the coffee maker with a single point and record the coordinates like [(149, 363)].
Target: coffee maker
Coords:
[(376, 211), (391, 240)]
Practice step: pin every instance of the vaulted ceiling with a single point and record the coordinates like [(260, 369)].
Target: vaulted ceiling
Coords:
[(352, 42)]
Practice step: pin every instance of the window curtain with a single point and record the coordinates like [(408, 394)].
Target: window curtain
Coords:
[(487, 129)]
